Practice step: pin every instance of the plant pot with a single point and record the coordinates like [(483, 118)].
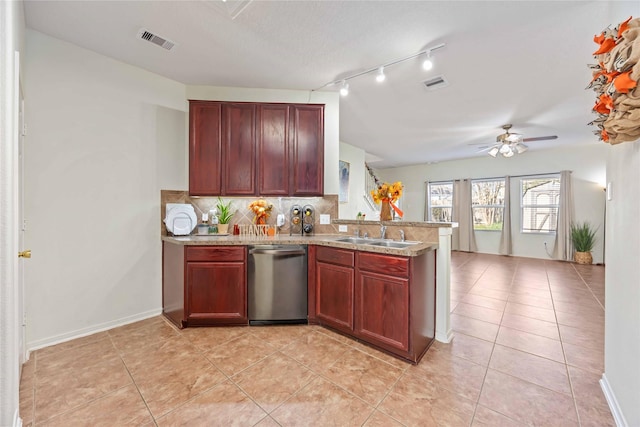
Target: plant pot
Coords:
[(583, 257), (223, 228)]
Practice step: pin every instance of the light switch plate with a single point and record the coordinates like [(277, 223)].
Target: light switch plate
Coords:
[(325, 219), (609, 191), (342, 228)]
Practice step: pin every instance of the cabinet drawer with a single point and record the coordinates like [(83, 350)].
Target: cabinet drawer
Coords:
[(335, 256), (384, 264), (215, 253)]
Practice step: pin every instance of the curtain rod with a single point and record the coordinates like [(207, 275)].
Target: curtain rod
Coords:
[(495, 177)]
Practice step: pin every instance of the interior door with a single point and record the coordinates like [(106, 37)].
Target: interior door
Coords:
[(22, 222)]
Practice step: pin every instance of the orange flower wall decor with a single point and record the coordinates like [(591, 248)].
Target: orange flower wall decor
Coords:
[(615, 81)]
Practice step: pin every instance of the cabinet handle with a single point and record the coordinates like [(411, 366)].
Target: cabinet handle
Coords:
[(277, 252)]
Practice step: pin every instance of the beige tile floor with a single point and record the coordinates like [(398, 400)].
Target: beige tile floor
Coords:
[(528, 350)]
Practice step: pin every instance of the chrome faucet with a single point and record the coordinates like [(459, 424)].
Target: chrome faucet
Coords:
[(383, 231), (357, 232), (402, 235)]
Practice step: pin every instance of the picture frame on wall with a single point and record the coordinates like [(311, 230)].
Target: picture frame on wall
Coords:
[(343, 195)]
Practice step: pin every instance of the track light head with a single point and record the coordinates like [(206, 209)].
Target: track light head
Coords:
[(380, 77), (344, 90), (428, 62)]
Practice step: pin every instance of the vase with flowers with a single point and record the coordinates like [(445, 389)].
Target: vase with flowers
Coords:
[(388, 194), (261, 209)]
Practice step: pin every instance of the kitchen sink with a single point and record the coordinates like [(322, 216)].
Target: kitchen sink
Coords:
[(392, 244), (354, 240)]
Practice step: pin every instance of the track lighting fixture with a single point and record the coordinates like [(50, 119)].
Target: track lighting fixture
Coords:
[(344, 90), (428, 63), (380, 70)]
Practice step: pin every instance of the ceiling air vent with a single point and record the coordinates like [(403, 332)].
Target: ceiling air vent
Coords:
[(147, 35), (435, 83)]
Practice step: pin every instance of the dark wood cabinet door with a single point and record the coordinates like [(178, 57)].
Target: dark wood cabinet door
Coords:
[(382, 310), (334, 295), (238, 149), (307, 147), (216, 293), (205, 155), (273, 149)]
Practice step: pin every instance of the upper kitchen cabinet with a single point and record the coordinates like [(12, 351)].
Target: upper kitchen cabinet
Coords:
[(307, 137), (205, 148), (245, 149), (238, 149), (273, 149)]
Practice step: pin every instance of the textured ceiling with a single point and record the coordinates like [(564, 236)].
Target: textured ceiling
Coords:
[(520, 62)]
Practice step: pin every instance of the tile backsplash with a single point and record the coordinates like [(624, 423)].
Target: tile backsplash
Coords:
[(243, 215)]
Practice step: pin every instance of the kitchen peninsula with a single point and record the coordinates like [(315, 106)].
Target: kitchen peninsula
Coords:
[(382, 295)]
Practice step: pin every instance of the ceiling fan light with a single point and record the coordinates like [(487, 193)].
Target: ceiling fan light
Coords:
[(494, 151), (380, 77), (505, 149), (521, 148), (508, 153)]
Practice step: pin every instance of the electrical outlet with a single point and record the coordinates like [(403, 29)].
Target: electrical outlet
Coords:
[(325, 219), (342, 228)]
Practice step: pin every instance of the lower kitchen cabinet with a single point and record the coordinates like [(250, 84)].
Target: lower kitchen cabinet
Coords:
[(384, 300), (382, 315), (205, 285), (334, 287)]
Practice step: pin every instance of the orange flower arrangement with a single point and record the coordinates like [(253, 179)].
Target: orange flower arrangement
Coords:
[(261, 209), (388, 193)]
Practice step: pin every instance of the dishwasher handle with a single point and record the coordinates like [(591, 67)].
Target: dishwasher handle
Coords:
[(277, 251)]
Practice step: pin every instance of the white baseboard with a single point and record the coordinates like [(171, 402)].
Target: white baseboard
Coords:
[(618, 417), (46, 342), (444, 337)]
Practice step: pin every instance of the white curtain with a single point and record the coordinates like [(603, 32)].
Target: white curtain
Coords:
[(563, 248), (427, 195), (505, 235), (463, 238)]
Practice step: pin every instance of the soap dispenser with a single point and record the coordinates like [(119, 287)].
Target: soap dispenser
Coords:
[(213, 228)]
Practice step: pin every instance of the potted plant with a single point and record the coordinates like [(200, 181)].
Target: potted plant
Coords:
[(583, 236), (224, 216)]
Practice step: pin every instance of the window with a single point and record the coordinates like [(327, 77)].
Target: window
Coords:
[(440, 201), (487, 202), (540, 201)]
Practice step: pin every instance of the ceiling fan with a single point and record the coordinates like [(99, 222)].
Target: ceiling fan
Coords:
[(509, 143)]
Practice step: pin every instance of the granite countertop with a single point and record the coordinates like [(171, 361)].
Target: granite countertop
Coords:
[(320, 240)]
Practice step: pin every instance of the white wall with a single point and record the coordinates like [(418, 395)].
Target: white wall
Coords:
[(94, 170), (622, 290), (331, 116), (588, 164), (355, 157)]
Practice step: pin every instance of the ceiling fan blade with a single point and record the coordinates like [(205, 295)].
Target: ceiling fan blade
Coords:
[(484, 148), (540, 138)]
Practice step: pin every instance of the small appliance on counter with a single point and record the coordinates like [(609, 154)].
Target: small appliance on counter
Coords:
[(295, 216), (308, 219), (180, 219)]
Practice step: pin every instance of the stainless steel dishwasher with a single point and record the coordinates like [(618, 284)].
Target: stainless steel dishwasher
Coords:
[(277, 284)]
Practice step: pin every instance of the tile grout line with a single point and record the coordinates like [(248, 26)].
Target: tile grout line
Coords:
[(564, 354), (486, 372)]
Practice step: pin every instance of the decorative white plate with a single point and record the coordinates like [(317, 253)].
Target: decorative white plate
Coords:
[(180, 219)]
